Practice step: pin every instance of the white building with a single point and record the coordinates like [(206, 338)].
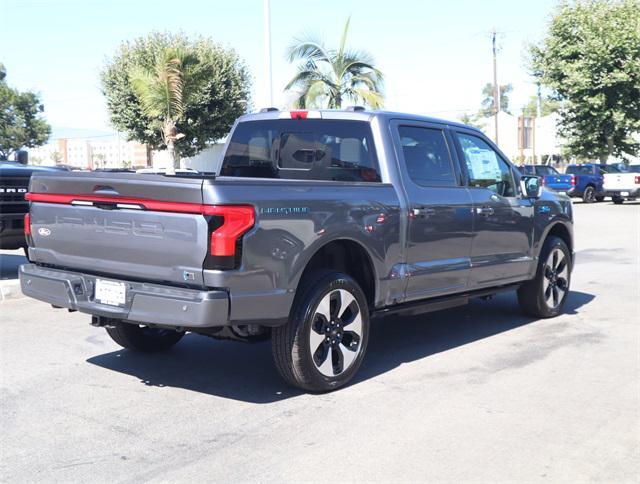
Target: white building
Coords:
[(87, 154), (526, 139)]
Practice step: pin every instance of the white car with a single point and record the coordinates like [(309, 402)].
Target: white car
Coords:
[(622, 182)]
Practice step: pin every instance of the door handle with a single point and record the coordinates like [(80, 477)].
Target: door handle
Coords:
[(486, 211), (423, 212)]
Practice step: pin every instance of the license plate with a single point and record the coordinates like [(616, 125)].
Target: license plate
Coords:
[(110, 292), (624, 194)]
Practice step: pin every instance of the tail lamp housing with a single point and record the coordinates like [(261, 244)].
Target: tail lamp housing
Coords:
[(27, 228), (637, 180), (573, 180), (227, 225)]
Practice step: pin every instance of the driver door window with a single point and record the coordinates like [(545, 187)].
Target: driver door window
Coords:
[(485, 166)]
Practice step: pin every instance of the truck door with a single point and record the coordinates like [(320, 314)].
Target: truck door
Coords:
[(440, 218), (503, 221)]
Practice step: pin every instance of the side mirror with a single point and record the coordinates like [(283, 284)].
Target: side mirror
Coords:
[(531, 186)]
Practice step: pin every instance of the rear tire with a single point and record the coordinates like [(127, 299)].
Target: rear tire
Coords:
[(324, 342), (617, 200), (589, 194), (544, 296), (143, 338)]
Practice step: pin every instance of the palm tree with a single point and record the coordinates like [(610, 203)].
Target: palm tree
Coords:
[(163, 91), (327, 78)]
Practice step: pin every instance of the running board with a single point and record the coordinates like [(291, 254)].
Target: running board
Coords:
[(439, 303)]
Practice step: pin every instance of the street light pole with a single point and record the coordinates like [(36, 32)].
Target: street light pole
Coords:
[(267, 53)]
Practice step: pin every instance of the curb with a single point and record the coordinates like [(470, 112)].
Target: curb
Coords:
[(10, 289)]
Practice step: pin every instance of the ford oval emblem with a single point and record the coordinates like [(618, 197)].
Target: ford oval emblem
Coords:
[(45, 232)]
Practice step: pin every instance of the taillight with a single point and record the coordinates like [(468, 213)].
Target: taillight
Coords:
[(637, 180), (27, 229), (573, 180), (27, 224), (300, 114), (542, 181), (227, 224)]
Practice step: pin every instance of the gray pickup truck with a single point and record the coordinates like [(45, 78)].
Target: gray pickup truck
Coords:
[(315, 222)]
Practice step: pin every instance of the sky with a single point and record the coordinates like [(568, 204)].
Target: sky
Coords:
[(435, 55)]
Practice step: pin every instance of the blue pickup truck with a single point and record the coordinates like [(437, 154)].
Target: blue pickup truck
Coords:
[(588, 179), (579, 181), (551, 178)]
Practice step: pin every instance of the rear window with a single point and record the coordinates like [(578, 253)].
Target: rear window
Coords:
[(527, 170), (310, 149), (546, 170), (579, 170), (624, 168)]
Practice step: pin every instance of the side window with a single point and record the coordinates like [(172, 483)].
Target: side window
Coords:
[(486, 168), (426, 156)]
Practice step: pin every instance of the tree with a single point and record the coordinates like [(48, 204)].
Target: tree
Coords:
[(21, 122), (326, 78), (214, 93), (547, 106), (471, 119), (56, 157), (590, 58), (487, 101), (164, 91)]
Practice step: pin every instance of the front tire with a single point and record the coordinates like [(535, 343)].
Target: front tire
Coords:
[(325, 340), (545, 295), (143, 338), (600, 198), (617, 200)]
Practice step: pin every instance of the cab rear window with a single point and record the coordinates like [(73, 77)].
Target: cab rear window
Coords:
[(310, 149)]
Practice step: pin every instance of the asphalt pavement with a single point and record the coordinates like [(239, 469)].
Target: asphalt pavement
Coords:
[(479, 393)]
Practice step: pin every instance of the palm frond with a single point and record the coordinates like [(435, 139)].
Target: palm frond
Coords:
[(371, 98), (309, 48), (343, 39)]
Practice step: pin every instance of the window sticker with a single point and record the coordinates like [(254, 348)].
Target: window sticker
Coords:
[(483, 164)]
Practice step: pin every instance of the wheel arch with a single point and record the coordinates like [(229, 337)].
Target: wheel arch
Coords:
[(345, 255), (561, 230)]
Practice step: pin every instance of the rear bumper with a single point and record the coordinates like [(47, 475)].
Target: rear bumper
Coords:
[(145, 303), (628, 193)]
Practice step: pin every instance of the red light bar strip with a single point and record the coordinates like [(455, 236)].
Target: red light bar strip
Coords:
[(154, 205)]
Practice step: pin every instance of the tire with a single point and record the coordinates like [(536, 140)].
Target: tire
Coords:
[(617, 200), (589, 194), (329, 317), (545, 295), (143, 338), (600, 198)]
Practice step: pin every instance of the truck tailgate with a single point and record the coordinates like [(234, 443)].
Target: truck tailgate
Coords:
[(122, 224), (620, 181), (561, 183)]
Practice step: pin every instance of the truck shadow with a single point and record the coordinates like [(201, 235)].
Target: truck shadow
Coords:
[(246, 372)]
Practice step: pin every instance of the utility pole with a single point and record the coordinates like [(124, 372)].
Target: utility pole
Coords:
[(496, 88), (267, 53), (535, 122)]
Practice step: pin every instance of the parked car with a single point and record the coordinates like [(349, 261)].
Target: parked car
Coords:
[(14, 183), (317, 222), (588, 181), (622, 182), (551, 178)]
